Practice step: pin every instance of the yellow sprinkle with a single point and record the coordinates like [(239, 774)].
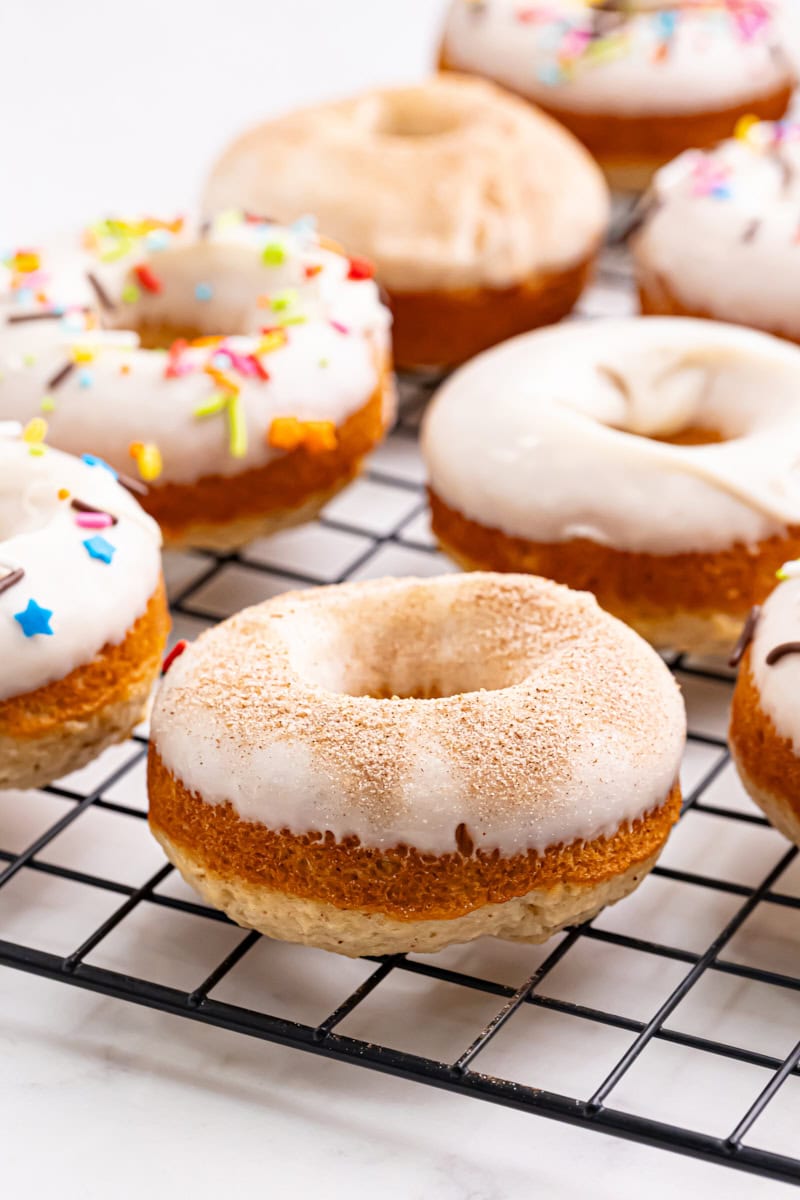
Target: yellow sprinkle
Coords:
[(37, 450), (35, 431), (48, 404), (271, 341), (63, 494), (80, 354), (213, 405), (237, 427), (743, 126), (148, 459)]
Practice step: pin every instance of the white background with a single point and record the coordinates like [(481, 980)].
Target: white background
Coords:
[(123, 107)]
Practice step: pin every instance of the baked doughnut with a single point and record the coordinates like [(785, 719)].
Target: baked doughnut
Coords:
[(482, 216), (83, 617), (652, 461), (719, 235), (406, 763), (638, 81), (243, 368), (765, 730)]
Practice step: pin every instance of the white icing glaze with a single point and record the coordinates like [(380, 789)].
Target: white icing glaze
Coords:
[(92, 603), (335, 329), (778, 685), (268, 711), (449, 184), (537, 438), (723, 231), (712, 57)]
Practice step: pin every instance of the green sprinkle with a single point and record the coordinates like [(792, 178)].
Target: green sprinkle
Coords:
[(37, 451), (215, 404), (48, 404), (130, 293), (273, 255), (237, 429), (29, 359), (284, 300), (298, 320), (323, 362)]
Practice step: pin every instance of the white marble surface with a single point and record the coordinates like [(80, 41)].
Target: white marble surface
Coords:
[(104, 1099)]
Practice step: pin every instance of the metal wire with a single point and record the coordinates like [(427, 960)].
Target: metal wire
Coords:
[(459, 1074)]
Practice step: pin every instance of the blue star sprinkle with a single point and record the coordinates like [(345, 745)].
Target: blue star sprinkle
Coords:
[(35, 619), (99, 548)]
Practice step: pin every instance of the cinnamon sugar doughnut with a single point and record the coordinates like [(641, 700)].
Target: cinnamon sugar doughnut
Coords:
[(652, 461), (83, 616), (482, 216), (638, 81), (403, 764), (241, 367), (765, 731)]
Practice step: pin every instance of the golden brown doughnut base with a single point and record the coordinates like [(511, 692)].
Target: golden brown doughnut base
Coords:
[(224, 511), (445, 328), (767, 764), (631, 148), (532, 918), (690, 602), (60, 727), (353, 899), (656, 299)]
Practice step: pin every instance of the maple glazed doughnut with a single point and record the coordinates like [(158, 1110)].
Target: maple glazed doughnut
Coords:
[(764, 732), (638, 81), (652, 461), (406, 763), (241, 368), (719, 232), (83, 617), (482, 215)]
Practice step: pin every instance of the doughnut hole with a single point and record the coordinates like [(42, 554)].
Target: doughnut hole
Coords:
[(404, 115), (199, 290), (385, 648)]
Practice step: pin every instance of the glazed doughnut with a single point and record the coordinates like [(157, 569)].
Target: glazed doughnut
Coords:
[(406, 763), (765, 731), (638, 81), (275, 382), (652, 461), (482, 216), (719, 236), (83, 616)]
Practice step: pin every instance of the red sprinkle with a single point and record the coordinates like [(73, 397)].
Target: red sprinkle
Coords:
[(360, 268), (311, 270), (173, 368), (148, 278), (258, 367), (176, 651)]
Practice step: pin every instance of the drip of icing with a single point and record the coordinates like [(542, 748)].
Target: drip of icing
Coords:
[(552, 458)]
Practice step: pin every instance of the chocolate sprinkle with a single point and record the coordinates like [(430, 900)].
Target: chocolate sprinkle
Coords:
[(779, 652), (61, 374), (751, 231), (9, 580), (103, 297), (21, 318), (82, 506), (133, 485), (746, 636)]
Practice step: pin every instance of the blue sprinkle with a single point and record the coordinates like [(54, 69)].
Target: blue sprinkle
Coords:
[(221, 361), (35, 619), (92, 460), (305, 224), (157, 239), (204, 291), (85, 378), (24, 296), (100, 549)]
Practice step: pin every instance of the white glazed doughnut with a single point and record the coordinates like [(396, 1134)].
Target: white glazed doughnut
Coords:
[(82, 610), (401, 764), (721, 232), (638, 81), (200, 418), (557, 453), (765, 720), (481, 214)]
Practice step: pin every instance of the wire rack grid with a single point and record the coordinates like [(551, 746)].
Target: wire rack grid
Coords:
[(671, 1019)]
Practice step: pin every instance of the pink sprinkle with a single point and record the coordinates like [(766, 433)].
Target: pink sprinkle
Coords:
[(339, 327), (94, 520)]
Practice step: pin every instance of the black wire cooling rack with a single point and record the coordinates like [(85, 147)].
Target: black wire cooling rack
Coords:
[(379, 528)]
